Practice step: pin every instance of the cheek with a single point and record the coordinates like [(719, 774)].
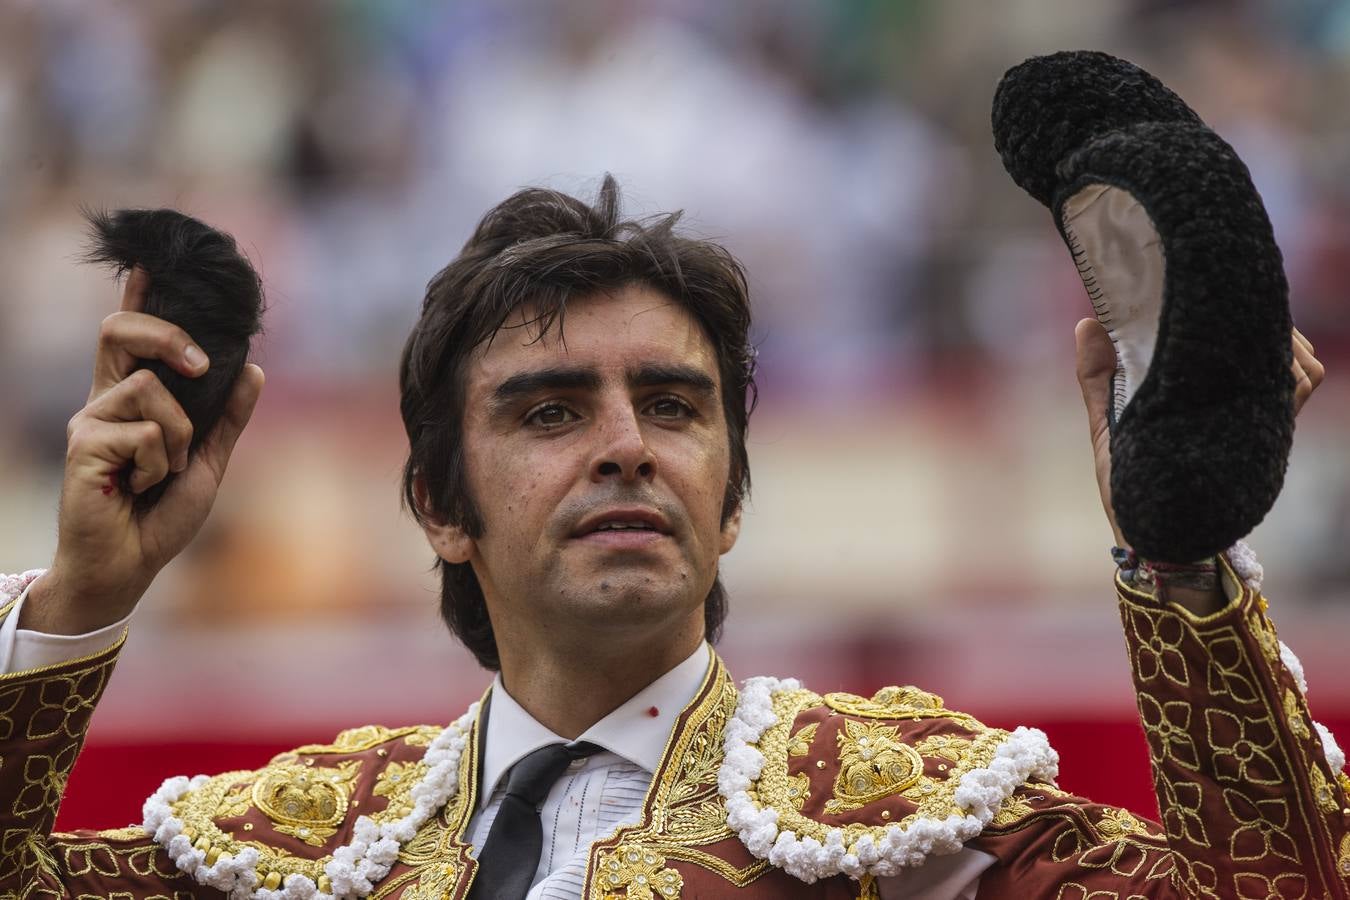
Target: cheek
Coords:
[(520, 497)]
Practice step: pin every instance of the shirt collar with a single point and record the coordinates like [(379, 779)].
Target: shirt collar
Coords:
[(637, 730)]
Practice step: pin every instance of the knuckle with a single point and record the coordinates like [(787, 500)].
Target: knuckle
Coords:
[(142, 380), (109, 326), (149, 432)]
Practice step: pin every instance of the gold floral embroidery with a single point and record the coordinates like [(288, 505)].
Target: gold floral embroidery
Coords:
[(44, 781), (799, 790), (1262, 828), (1293, 713), (1181, 810), (1227, 668), (873, 763), (1241, 748), (1323, 791), (636, 872), (1167, 728), (800, 745), (1265, 636), (395, 782), (1285, 886), (1116, 823), (8, 700), (947, 746), (1196, 879), (66, 701), (1157, 640), (1343, 857), (1014, 808)]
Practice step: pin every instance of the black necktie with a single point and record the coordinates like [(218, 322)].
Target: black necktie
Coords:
[(510, 856)]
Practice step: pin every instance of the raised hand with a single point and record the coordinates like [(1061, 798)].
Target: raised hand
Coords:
[(107, 553), (1096, 358)]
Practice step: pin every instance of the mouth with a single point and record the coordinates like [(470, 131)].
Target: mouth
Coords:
[(623, 528)]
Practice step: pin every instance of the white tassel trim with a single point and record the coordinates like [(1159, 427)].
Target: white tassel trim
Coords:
[(1024, 754), (353, 869), (1243, 560)]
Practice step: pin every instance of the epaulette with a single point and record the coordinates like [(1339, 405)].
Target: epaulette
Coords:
[(826, 784), (322, 819)]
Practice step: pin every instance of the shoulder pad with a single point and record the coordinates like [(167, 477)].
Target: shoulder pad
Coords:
[(869, 785), (291, 814)]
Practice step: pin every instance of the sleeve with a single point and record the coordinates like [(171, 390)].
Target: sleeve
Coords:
[(44, 715), (1250, 805), (22, 649)]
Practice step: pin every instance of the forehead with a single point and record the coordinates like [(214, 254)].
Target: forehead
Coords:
[(617, 331)]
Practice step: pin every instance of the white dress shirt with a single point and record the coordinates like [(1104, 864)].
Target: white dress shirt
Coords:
[(594, 796)]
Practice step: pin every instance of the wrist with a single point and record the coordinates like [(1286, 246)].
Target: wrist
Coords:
[(1195, 587), (57, 604)]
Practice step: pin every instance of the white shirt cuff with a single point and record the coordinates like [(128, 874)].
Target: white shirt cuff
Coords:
[(22, 649)]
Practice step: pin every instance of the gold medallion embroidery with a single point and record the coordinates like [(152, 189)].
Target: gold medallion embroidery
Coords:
[(873, 763), (306, 802), (637, 873)]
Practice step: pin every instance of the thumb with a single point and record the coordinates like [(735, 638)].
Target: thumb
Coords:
[(238, 410), (1096, 361)]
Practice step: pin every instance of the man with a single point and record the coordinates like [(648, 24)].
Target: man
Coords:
[(576, 398)]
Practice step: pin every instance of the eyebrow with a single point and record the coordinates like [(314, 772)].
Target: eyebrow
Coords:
[(527, 384)]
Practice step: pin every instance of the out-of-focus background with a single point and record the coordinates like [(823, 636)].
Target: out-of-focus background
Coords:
[(924, 507)]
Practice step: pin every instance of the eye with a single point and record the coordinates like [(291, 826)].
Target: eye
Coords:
[(550, 415), (670, 408)]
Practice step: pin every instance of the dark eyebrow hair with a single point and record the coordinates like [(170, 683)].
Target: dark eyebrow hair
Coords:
[(552, 379), (561, 378), (656, 374)]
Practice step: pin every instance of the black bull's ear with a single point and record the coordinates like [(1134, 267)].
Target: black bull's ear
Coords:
[(1181, 266), (199, 281)]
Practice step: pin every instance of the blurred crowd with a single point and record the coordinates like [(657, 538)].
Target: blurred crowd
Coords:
[(904, 286)]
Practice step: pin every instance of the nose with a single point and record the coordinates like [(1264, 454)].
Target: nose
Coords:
[(621, 449)]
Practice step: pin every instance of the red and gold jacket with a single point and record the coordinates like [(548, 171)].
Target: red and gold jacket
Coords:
[(769, 791)]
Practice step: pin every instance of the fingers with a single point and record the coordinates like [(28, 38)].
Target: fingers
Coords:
[(128, 336), (1096, 362), (216, 449), (98, 450), (133, 292), (143, 397), (1308, 370)]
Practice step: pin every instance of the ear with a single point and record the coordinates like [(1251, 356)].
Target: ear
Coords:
[(731, 529), (449, 541)]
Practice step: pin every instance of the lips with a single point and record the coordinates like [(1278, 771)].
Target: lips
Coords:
[(632, 523)]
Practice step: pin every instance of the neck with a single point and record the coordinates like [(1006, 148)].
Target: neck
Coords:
[(568, 693)]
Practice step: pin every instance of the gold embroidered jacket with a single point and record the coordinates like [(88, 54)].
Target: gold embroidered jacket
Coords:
[(1250, 806)]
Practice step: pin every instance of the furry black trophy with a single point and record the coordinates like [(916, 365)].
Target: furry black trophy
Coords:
[(199, 281), (1200, 437)]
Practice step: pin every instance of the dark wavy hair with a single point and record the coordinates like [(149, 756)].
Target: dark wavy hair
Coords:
[(540, 248)]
